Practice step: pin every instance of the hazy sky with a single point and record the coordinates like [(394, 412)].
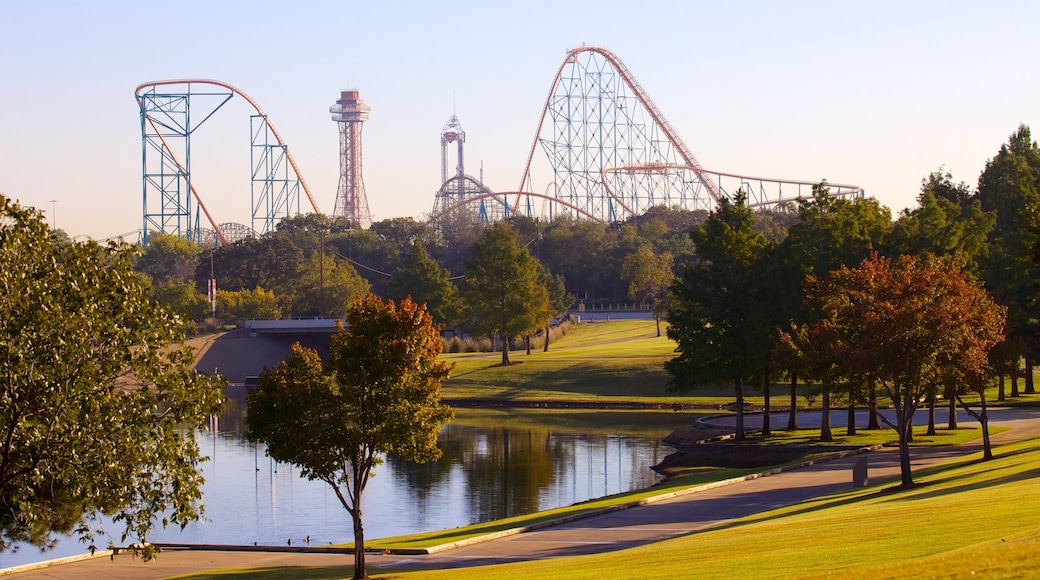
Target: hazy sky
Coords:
[(876, 94)]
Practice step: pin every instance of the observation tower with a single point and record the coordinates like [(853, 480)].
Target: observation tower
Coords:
[(350, 112)]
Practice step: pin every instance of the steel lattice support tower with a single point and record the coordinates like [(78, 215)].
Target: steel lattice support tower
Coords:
[(350, 112)]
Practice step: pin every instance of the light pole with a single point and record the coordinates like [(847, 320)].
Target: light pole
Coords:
[(53, 214), (321, 277)]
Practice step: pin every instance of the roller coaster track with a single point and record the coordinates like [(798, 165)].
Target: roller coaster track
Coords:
[(612, 154), (168, 151)]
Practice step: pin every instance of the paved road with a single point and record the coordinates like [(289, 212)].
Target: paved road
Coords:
[(613, 531)]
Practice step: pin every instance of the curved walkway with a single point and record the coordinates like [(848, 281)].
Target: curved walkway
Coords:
[(603, 533)]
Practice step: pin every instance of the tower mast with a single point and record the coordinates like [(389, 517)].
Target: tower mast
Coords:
[(349, 113)]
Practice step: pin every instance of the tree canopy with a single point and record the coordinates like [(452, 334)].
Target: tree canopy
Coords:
[(503, 293), (710, 314), (380, 395), (906, 323), (98, 402)]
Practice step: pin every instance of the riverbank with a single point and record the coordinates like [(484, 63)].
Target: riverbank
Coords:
[(960, 504)]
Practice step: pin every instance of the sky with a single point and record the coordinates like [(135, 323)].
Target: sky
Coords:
[(877, 94)]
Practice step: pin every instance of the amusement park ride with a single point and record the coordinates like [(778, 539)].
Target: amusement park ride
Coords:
[(608, 154)]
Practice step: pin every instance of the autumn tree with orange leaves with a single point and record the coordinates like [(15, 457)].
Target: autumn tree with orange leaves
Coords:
[(908, 324)]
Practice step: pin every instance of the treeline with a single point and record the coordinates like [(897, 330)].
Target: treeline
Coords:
[(313, 265)]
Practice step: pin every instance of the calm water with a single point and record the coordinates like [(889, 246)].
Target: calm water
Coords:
[(496, 463)]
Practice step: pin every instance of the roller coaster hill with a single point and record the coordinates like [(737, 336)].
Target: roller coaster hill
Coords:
[(602, 151)]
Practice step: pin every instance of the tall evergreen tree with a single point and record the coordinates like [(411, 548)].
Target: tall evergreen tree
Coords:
[(711, 311), (502, 293), (422, 278), (1010, 186)]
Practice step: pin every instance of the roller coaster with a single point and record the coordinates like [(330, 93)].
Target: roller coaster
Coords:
[(608, 154)]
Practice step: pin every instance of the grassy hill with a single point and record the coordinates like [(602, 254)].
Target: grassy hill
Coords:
[(601, 362)]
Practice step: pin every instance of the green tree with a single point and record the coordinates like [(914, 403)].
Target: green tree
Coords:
[(648, 275), (420, 277), (712, 305), (907, 324), (314, 293), (168, 258), (559, 299), (829, 232), (248, 304), (98, 402), (1010, 186), (184, 300), (503, 294), (381, 395)]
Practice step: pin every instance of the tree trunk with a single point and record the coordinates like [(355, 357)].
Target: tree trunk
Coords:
[(850, 429), (792, 413), (825, 416), (766, 427), (739, 388), (987, 448), (505, 350), (546, 349), (1014, 382), (931, 413), (657, 319), (1000, 388), (952, 423), (527, 339), (907, 476), (904, 418), (1029, 375), (360, 573), (872, 418)]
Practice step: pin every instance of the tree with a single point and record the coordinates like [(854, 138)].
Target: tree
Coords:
[(907, 324), (502, 294), (1010, 186), (948, 222), (830, 232), (324, 286), (711, 306), (648, 275), (248, 304), (422, 278), (168, 258), (381, 395), (98, 402), (559, 299)]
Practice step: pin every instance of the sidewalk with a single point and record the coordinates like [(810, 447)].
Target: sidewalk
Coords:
[(608, 532)]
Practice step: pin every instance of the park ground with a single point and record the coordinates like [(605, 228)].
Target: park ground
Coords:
[(965, 518)]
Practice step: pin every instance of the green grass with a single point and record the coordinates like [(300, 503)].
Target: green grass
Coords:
[(603, 362)]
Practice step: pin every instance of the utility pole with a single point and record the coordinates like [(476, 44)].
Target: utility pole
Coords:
[(54, 217), (321, 277)]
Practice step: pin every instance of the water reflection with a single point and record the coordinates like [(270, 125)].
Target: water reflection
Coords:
[(495, 464)]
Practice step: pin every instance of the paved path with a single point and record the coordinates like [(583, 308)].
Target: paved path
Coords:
[(609, 532)]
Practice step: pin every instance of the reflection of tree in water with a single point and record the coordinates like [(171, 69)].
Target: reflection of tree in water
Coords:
[(506, 470), (421, 479)]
